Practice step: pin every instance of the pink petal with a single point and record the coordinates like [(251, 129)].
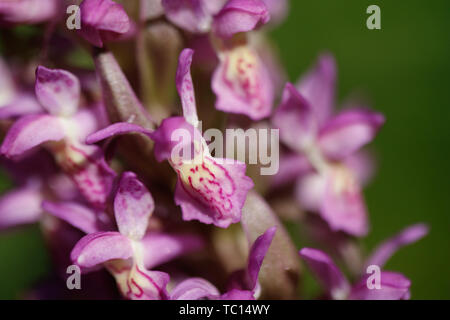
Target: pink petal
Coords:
[(28, 11), (133, 206), (57, 90), (343, 205), (29, 132), (116, 129), (100, 247), (213, 193), (387, 249), (394, 286), (348, 132), (185, 87), (243, 85), (326, 272), (102, 19), (194, 289), (161, 247), (318, 87), (240, 16), (257, 254), (20, 206), (79, 216), (295, 119)]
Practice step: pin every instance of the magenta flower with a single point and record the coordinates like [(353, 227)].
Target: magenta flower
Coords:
[(208, 189), (28, 11), (62, 131), (126, 253), (102, 21), (330, 145), (393, 285)]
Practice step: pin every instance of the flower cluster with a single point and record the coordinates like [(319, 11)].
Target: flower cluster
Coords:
[(100, 162)]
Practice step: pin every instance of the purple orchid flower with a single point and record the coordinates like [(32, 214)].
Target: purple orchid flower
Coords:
[(330, 145), (241, 82), (243, 283), (393, 286), (278, 10), (208, 189), (129, 252), (102, 21), (62, 130), (27, 11)]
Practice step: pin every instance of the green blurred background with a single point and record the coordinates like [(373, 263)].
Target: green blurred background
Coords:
[(404, 69)]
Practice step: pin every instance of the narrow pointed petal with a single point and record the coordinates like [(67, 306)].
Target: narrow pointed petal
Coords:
[(326, 272), (100, 247), (102, 20), (185, 87), (394, 286), (22, 105), (160, 248), (348, 132), (257, 254), (29, 132), (389, 247), (343, 206), (79, 216), (116, 129), (279, 273), (295, 119), (318, 87), (133, 206), (19, 207), (243, 85), (57, 90), (194, 289), (240, 16)]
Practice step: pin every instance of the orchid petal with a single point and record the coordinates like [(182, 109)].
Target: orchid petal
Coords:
[(318, 87), (22, 105), (240, 16), (185, 87), (292, 166), (119, 128), (343, 205), (133, 206), (243, 85), (387, 249), (211, 192), (57, 90), (29, 132), (348, 132), (160, 248), (20, 206), (75, 214), (326, 272), (27, 11), (278, 9), (257, 254), (192, 15), (102, 19), (100, 247), (295, 119), (393, 286), (194, 289)]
